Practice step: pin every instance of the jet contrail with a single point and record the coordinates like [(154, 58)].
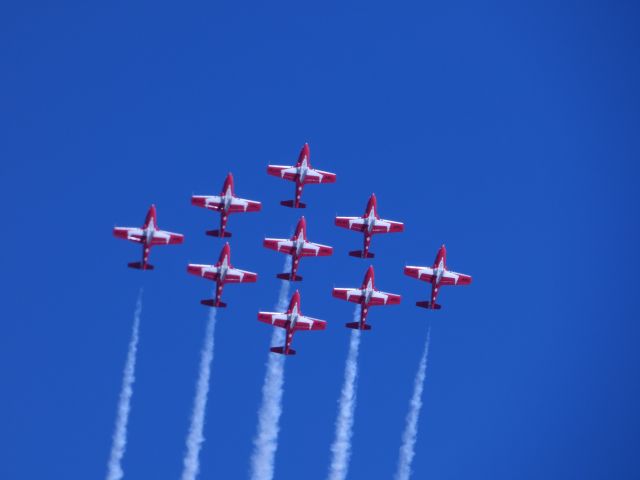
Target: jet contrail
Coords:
[(114, 467), (410, 434), (341, 447), (265, 443), (195, 438)]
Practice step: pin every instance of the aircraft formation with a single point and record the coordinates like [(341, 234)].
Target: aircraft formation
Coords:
[(298, 246)]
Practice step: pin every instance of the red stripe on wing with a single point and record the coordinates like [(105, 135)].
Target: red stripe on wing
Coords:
[(346, 222)]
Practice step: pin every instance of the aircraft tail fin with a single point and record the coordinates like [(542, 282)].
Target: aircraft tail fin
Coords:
[(429, 305), (216, 233), (360, 254), (140, 266), (357, 326), (287, 276), (212, 303), (281, 351), (292, 204)]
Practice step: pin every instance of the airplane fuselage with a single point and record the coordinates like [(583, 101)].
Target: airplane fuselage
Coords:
[(223, 269), (293, 320), (370, 221), (440, 269), (293, 316), (302, 170), (299, 244), (148, 234), (226, 200), (367, 292), (437, 277)]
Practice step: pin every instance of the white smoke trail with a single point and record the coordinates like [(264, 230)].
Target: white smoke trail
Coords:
[(410, 434), (341, 447), (265, 443), (195, 438), (114, 467)]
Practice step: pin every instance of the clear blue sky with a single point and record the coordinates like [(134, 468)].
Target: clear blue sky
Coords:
[(510, 133)]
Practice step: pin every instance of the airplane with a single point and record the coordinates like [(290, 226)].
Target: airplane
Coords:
[(369, 224), (437, 275), (298, 246), (149, 235), (226, 203), (367, 296), (292, 320), (222, 273), (302, 173)]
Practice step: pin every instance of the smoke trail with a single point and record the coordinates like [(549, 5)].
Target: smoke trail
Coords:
[(341, 447), (265, 443), (195, 438), (114, 467), (410, 434)]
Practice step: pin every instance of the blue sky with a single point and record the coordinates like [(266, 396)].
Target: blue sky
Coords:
[(508, 132)]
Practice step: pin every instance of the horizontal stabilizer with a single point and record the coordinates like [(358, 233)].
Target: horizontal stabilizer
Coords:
[(280, 350), (359, 254), (357, 326), (287, 276), (212, 303), (216, 233), (292, 204), (140, 266), (429, 305)]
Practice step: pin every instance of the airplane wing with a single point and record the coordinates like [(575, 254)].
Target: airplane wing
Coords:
[(421, 273), (212, 202), (279, 245), (276, 319), (235, 275), (448, 277), (209, 272), (215, 202), (243, 205), (319, 176), (162, 237), (310, 249), (453, 278), (349, 294), (352, 223), (308, 323), (387, 226), (282, 171), (129, 233), (384, 298)]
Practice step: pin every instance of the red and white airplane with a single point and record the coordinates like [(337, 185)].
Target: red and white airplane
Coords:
[(369, 224), (367, 296), (437, 275), (221, 273), (225, 203), (298, 246), (149, 235), (303, 174), (292, 320)]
